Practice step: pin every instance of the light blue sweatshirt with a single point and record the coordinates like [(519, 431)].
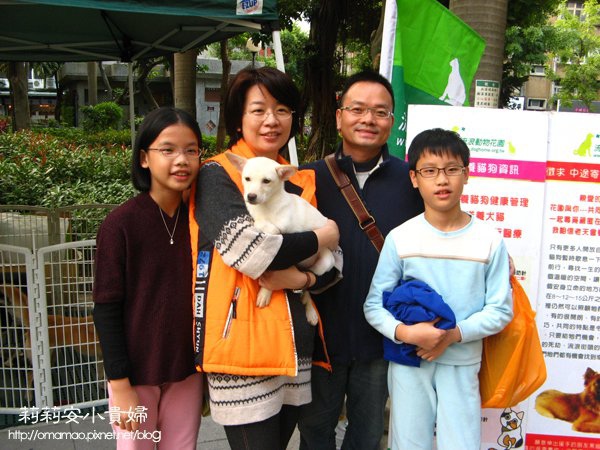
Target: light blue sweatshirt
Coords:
[(467, 267)]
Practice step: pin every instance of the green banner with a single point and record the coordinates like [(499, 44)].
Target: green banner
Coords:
[(433, 59)]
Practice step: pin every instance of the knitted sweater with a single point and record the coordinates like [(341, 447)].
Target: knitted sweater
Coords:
[(146, 282)]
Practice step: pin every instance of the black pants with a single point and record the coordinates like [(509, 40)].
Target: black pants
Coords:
[(273, 433)]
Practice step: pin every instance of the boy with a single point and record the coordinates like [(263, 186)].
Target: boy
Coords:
[(466, 262)]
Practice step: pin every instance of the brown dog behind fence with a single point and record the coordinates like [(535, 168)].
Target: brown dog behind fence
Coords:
[(72, 333)]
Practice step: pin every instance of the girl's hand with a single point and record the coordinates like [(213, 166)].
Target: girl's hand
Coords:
[(291, 278), (126, 400), (328, 235)]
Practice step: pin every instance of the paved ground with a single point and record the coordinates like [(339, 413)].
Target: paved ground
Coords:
[(63, 436)]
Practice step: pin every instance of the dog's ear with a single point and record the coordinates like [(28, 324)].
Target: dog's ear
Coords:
[(521, 414), (286, 172), (238, 161), (589, 376)]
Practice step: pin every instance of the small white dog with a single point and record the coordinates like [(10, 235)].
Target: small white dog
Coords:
[(276, 211)]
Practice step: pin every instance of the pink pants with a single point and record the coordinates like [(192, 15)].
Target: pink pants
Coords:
[(173, 416)]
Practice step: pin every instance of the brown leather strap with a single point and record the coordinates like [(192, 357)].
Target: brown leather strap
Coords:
[(365, 220)]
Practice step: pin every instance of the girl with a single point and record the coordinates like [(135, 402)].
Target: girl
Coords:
[(142, 291), (257, 360)]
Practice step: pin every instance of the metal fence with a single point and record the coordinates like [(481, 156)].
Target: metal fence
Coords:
[(49, 352)]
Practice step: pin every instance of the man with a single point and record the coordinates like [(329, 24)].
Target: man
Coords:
[(355, 349)]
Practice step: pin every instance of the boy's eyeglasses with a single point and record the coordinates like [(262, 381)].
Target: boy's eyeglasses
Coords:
[(170, 153), (361, 111), (432, 172), (262, 114)]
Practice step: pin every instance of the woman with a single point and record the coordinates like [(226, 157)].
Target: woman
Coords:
[(257, 360)]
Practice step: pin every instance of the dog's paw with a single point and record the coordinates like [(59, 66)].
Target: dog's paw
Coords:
[(311, 314), (324, 263), (263, 298)]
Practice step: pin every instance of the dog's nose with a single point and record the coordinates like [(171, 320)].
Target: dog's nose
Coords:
[(251, 198)]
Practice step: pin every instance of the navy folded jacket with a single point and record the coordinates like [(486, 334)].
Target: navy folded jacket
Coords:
[(413, 302)]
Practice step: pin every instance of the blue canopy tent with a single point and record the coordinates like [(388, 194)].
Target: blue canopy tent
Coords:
[(127, 30)]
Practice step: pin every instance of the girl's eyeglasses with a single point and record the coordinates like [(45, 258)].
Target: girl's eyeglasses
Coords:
[(169, 152)]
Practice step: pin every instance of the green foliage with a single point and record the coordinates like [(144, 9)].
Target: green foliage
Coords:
[(5, 124), (77, 136), (577, 48), (293, 43), (356, 57), (103, 116), (52, 170), (524, 47), (209, 144), (527, 41), (526, 13)]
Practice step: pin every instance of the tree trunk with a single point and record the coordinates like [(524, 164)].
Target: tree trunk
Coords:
[(92, 83), (221, 132), (185, 81), (59, 98), (488, 18), (105, 80), (319, 75), (376, 40), (144, 69), (21, 115)]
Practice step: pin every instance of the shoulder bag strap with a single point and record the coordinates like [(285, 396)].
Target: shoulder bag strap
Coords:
[(365, 220)]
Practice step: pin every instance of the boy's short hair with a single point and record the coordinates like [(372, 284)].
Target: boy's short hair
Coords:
[(367, 76), (438, 142)]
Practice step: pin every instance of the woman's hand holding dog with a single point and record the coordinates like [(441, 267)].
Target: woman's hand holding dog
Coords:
[(291, 278), (328, 235), (126, 400)]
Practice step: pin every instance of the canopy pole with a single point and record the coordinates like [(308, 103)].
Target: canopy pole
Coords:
[(279, 61), (131, 104)]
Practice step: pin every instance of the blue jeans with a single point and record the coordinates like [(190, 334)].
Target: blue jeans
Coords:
[(364, 386)]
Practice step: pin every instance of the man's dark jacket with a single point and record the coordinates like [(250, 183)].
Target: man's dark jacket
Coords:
[(391, 200)]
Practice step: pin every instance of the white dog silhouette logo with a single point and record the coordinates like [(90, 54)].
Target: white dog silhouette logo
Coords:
[(455, 92)]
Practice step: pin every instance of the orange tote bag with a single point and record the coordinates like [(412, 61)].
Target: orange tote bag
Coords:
[(512, 365)]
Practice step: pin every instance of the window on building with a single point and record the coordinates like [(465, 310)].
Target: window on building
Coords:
[(538, 70), (556, 88), (575, 8), (212, 95), (538, 104)]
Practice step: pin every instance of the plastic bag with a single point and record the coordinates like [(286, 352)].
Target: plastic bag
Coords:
[(512, 365)]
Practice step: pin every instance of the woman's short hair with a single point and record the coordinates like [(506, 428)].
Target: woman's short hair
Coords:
[(153, 124), (279, 85)]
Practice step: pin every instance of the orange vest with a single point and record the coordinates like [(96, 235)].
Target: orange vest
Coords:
[(231, 334)]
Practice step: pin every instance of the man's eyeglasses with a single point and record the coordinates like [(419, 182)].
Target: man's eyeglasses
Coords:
[(432, 172), (262, 114), (169, 152), (360, 111)]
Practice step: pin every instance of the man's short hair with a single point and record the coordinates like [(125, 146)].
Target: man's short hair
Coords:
[(368, 76)]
